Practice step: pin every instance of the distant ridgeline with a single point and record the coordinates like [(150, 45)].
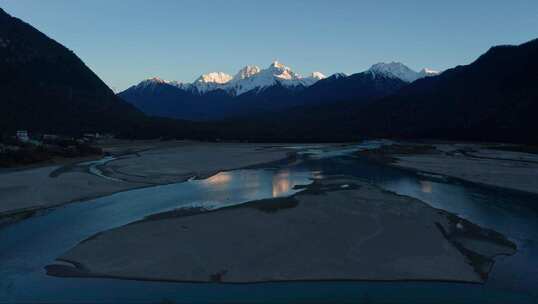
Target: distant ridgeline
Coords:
[(44, 87)]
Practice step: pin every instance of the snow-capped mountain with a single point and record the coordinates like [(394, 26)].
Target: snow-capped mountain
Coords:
[(249, 78), (246, 72), (150, 83), (425, 72), (312, 78), (399, 70), (218, 95), (210, 81), (252, 77)]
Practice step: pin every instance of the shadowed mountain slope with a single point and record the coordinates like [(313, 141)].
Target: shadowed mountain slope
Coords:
[(46, 87)]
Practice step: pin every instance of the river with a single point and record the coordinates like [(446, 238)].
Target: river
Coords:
[(27, 246)]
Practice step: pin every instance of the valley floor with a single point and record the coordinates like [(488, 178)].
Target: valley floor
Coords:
[(338, 228)]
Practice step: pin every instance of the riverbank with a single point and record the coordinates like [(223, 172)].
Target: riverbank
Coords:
[(339, 228), (503, 166), (134, 164)]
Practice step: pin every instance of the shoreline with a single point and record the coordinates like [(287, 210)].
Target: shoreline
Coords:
[(12, 215), (55, 271), (425, 158), (63, 161)]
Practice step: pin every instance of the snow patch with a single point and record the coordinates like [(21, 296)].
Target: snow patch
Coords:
[(400, 71)]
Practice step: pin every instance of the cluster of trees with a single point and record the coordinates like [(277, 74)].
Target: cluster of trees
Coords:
[(14, 153)]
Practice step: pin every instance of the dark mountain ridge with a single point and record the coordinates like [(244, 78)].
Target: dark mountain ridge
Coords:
[(45, 87), (165, 100), (493, 98)]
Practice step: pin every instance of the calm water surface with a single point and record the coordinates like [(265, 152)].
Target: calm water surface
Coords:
[(26, 247)]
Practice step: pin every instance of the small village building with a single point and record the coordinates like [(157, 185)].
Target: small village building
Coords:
[(22, 135)]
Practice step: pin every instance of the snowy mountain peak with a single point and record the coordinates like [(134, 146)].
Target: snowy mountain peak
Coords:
[(152, 80), (253, 78), (214, 77), (312, 78), (150, 83), (395, 70), (317, 75), (338, 75), (425, 72), (246, 72), (209, 82), (278, 65), (157, 79), (248, 78), (400, 71), (282, 72)]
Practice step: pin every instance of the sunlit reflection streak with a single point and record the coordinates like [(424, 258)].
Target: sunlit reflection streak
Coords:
[(221, 178), (281, 183), (425, 186)]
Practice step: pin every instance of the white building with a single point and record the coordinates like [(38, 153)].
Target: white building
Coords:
[(22, 135)]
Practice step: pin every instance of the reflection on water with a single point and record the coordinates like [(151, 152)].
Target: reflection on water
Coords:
[(218, 179), (281, 183), (425, 186)]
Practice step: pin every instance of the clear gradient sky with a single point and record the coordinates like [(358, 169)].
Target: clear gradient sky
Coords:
[(130, 40)]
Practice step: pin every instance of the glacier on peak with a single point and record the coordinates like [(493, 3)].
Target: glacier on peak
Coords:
[(338, 75), (246, 72), (277, 65), (210, 81), (399, 70), (317, 75), (214, 77), (151, 83), (276, 73), (425, 72), (312, 78)]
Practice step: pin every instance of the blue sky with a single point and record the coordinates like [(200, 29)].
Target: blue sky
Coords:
[(127, 41)]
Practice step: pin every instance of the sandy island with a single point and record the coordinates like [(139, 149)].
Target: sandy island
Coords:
[(337, 229)]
